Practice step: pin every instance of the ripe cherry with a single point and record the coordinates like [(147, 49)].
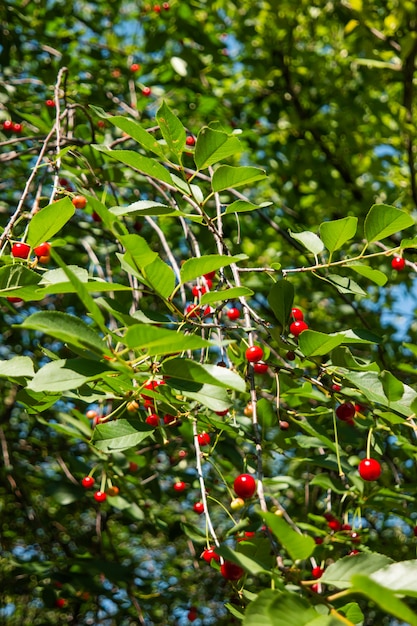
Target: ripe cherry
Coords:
[(221, 413), (334, 525), (87, 482), (179, 486), (199, 507), (100, 496), (244, 486), (346, 412), (20, 250), (210, 275), (60, 603), (297, 314), (398, 263), (190, 141), (135, 67), (17, 128), (415, 531), (231, 571), (44, 249), (317, 572), (7, 125), (50, 103), (297, 327), (169, 419), (204, 439), (369, 469), (208, 554), (146, 91), (152, 420), (79, 202), (157, 8), (260, 367), (192, 614), (133, 467), (254, 354), (165, 6), (14, 299), (233, 314)]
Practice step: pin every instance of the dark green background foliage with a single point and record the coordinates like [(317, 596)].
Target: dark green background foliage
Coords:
[(299, 190)]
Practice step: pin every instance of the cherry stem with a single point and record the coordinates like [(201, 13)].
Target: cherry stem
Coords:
[(336, 440), (368, 444)]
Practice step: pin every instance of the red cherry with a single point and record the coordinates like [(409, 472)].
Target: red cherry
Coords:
[(87, 482), (297, 315), (346, 411), (353, 552), (169, 419), (254, 354), (60, 603), (369, 469), (192, 614), (7, 125), (20, 250), (317, 572), (297, 327), (152, 420), (50, 103), (146, 91), (260, 367), (79, 202), (398, 263), (14, 299), (244, 486), (157, 8), (179, 486), (199, 507), (135, 67), (221, 413), (209, 554), (165, 6), (336, 387), (44, 249), (346, 527), (231, 571), (100, 496), (249, 534), (334, 524), (96, 217), (133, 467), (415, 531), (210, 275), (17, 128), (204, 439), (190, 141), (318, 541), (315, 588), (233, 314)]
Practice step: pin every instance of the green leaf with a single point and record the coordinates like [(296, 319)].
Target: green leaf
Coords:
[(67, 328), (352, 612), (171, 128), (398, 577), (280, 299), (246, 562), (226, 294), (335, 233), (193, 268), (160, 276), (185, 369), (242, 206), (326, 482), (228, 177), (48, 221), (66, 374), (393, 388), (17, 275), (120, 435), (143, 164), (384, 598), (344, 284), (139, 134), (17, 369), (211, 396), (370, 385), (82, 293), (154, 340), (213, 146), (313, 343), (138, 253), (310, 241), (341, 572), (277, 608), (298, 546), (144, 207), (384, 220), (377, 277)]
